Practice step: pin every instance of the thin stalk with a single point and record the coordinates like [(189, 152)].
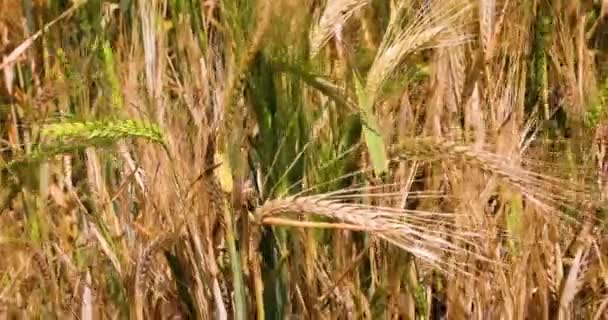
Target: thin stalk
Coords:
[(311, 224), (237, 270), (258, 281)]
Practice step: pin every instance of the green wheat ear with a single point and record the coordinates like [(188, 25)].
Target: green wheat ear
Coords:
[(71, 136), (103, 131)]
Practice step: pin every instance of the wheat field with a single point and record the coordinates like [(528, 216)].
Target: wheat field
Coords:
[(303, 159)]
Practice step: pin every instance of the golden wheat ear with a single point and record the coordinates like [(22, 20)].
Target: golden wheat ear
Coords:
[(547, 192), (336, 12), (430, 236)]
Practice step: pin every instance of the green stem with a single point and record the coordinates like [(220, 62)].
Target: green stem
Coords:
[(237, 270)]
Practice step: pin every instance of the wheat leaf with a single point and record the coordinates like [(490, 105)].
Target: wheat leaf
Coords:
[(374, 141)]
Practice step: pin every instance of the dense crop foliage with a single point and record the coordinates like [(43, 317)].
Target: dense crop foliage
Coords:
[(287, 159)]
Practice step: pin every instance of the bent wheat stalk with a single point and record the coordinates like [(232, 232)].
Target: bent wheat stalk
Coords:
[(426, 235)]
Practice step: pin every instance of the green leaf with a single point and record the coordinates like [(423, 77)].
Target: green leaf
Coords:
[(374, 141)]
